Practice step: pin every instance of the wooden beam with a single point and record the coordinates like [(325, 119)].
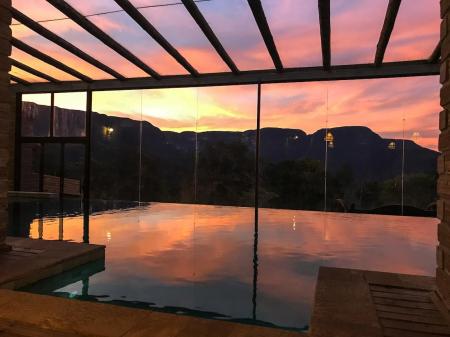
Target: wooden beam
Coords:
[(33, 71), (48, 59), (209, 33), (263, 26), (325, 32), (41, 30), (19, 80), (310, 74), (86, 24), (386, 31), (140, 19), (436, 54)]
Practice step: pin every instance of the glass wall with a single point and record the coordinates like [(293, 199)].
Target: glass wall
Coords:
[(336, 146)]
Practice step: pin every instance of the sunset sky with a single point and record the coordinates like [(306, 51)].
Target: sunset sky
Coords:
[(355, 24)]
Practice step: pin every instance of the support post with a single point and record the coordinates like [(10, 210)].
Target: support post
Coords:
[(6, 116)]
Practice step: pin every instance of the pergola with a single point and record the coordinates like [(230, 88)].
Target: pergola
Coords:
[(278, 74)]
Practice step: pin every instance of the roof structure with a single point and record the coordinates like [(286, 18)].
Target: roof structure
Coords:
[(146, 75)]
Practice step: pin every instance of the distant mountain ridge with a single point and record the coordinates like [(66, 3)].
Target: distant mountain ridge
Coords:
[(357, 147)]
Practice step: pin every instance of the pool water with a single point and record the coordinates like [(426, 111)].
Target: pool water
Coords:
[(207, 260)]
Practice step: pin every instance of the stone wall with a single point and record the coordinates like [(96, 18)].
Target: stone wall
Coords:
[(5, 115)]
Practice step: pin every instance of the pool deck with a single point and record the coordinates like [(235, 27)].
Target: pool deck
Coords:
[(32, 260), (31, 315), (354, 303)]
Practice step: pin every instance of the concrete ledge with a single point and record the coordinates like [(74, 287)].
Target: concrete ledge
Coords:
[(57, 316), (32, 260)]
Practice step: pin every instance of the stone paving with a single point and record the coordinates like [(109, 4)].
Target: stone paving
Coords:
[(30, 315), (32, 260)]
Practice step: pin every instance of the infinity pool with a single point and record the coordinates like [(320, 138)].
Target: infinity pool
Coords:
[(207, 260)]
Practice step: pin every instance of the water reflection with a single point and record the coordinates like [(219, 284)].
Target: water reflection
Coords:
[(219, 262)]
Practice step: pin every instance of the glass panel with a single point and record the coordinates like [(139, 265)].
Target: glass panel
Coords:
[(116, 124), (370, 125), (356, 27), (30, 168), (226, 141), (70, 114), (242, 39), (416, 31), (292, 146), (36, 113), (73, 169), (421, 137), (52, 168), (296, 30), (168, 145)]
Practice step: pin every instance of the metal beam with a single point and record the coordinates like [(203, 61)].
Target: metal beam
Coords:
[(386, 31), (41, 30), (140, 19), (48, 59), (19, 80), (325, 32), (436, 54), (33, 71), (263, 26), (311, 74), (82, 21), (209, 33)]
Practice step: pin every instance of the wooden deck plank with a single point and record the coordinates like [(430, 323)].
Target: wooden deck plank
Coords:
[(417, 327), (436, 320), (408, 311), (402, 297), (388, 332), (404, 304), (397, 290)]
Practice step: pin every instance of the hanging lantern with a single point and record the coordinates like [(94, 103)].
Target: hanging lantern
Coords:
[(331, 145), (329, 137), (391, 146)]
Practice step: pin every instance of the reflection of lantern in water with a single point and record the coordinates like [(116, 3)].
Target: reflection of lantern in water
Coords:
[(331, 145), (391, 146)]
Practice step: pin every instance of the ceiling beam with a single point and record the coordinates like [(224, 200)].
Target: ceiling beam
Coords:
[(19, 80), (289, 75), (33, 71), (263, 26), (82, 21), (436, 54), (386, 31), (325, 32), (140, 19), (209, 33), (48, 59), (41, 30)]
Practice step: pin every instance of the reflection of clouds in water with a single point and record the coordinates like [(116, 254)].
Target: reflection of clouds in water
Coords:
[(158, 255)]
